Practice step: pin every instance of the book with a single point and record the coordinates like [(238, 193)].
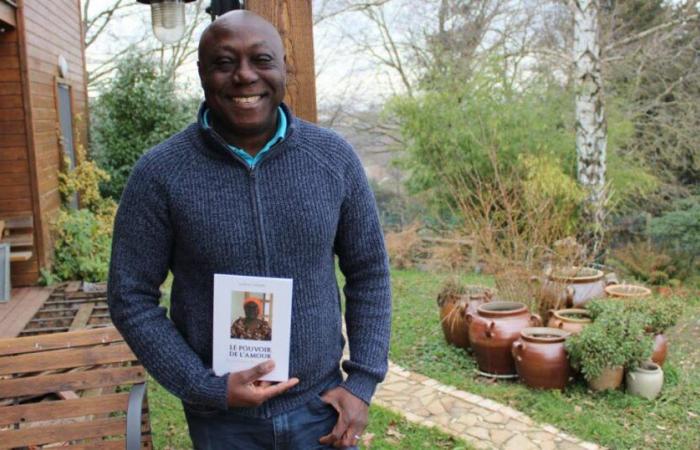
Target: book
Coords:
[(252, 324)]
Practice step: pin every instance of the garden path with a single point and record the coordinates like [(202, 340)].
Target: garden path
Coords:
[(481, 422)]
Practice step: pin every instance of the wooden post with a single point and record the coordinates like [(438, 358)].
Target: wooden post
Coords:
[(294, 21)]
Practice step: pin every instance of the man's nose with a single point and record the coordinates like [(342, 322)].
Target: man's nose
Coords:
[(246, 73)]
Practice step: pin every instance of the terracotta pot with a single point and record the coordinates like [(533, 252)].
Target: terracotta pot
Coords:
[(540, 358), (571, 320), (610, 378), (452, 313), (645, 381), (492, 331), (660, 350), (454, 326), (627, 291)]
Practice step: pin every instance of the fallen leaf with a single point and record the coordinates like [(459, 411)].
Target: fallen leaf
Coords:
[(367, 440), (661, 428), (577, 409)]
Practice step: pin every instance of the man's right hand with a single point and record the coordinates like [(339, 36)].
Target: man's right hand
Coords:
[(245, 390)]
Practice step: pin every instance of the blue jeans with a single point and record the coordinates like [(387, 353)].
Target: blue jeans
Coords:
[(299, 429)]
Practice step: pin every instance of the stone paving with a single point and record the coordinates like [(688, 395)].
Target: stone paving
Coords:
[(483, 423)]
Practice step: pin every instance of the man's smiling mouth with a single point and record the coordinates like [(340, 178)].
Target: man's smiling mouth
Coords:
[(247, 100)]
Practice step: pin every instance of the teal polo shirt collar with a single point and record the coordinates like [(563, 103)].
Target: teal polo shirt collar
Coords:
[(279, 135)]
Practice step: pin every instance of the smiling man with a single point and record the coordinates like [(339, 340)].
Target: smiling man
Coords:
[(252, 190)]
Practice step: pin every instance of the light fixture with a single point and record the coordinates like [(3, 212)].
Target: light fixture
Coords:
[(168, 19), (168, 16)]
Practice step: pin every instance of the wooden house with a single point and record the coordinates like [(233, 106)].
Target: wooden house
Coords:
[(43, 115)]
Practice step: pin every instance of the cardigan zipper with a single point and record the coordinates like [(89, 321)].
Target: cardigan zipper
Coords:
[(257, 212)]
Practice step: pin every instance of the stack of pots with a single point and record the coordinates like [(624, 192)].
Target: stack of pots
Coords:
[(453, 309), (492, 330)]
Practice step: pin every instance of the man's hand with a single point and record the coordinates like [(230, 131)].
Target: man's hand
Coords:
[(352, 418), (245, 389)]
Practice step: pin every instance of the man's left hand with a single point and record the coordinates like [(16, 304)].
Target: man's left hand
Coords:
[(352, 418)]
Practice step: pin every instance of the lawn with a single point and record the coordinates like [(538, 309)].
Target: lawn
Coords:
[(612, 419)]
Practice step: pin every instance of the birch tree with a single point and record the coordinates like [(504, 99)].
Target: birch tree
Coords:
[(591, 127)]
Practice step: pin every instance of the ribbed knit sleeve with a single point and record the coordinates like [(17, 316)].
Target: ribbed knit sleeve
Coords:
[(141, 251), (360, 248)]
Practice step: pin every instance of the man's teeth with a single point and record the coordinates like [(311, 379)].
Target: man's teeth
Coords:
[(245, 100)]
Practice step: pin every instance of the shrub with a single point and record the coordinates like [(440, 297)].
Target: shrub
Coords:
[(138, 109), (81, 246), (613, 339), (82, 237), (645, 262), (679, 231)]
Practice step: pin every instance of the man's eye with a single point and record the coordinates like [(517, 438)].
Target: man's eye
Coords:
[(263, 58)]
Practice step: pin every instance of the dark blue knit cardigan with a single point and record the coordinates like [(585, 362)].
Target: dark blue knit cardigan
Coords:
[(195, 208)]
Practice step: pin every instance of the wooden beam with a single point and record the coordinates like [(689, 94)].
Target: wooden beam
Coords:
[(293, 20), (7, 15)]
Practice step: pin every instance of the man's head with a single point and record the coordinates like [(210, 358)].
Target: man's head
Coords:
[(251, 309), (243, 74)]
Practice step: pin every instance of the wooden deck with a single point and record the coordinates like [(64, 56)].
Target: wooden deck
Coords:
[(23, 304)]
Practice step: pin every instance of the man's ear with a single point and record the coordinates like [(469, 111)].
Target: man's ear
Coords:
[(200, 71)]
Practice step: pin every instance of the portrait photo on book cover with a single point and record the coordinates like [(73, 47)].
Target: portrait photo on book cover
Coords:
[(251, 315)]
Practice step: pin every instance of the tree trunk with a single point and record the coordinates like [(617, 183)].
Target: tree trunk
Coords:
[(591, 128)]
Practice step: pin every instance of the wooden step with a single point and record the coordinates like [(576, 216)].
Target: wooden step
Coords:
[(20, 256), (13, 223), (18, 240)]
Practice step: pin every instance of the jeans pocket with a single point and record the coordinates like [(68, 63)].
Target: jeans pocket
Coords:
[(318, 405), (200, 410)]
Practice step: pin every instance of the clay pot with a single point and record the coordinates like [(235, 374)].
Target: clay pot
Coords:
[(492, 331), (540, 358), (627, 291), (660, 350), (571, 320), (571, 287), (645, 381), (452, 313), (580, 284), (610, 378)]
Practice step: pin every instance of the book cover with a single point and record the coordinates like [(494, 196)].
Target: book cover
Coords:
[(252, 322)]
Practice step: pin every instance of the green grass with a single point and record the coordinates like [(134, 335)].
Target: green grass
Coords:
[(612, 419), (386, 430)]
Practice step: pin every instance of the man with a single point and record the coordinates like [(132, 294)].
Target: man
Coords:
[(252, 190), (251, 326)]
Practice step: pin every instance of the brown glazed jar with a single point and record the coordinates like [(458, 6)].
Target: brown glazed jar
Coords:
[(492, 331), (540, 358), (571, 320), (660, 350)]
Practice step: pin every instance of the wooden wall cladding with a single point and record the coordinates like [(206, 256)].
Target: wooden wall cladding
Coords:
[(30, 152), (15, 179)]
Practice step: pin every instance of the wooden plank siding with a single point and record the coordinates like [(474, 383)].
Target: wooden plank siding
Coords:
[(15, 180), (30, 150)]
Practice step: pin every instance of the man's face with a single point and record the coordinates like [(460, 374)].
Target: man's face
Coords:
[(243, 74)]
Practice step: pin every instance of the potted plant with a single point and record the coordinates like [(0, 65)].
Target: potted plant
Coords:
[(662, 313), (615, 340)]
